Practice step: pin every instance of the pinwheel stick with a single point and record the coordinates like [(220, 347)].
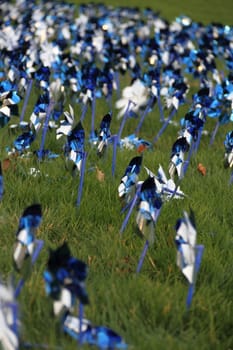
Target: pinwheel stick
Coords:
[(93, 106), (146, 245), (84, 111), (26, 99), (198, 258), (125, 116), (133, 203), (144, 114), (38, 246), (114, 153), (165, 124), (82, 172), (197, 142), (45, 128), (142, 257), (160, 108), (231, 178), (186, 163), (80, 322), (214, 132)]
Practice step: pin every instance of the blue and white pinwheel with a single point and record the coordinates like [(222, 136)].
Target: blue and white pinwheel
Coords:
[(104, 134), (64, 280), (66, 125), (100, 336), (179, 148), (148, 209), (189, 254), (8, 318), (228, 143), (74, 148), (165, 187), (25, 245), (127, 187)]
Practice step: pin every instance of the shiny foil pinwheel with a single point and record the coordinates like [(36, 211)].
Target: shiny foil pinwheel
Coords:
[(27, 247), (64, 280), (127, 187), (104, 134), (189, 254), (74, 148)]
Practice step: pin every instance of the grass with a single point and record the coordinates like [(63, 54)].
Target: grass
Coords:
[(148, 309)]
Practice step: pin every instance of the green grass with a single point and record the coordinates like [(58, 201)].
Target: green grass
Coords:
[(148, 309)]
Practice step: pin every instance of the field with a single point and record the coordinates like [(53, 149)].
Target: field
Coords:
[(147, 309)]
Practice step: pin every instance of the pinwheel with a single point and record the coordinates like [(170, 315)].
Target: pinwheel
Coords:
[(27, 247), (137, 93), (39, 112), (189, 254), (9, 338), (228, 143), (127, 187), (104, 134), (74, 148), (9, 99), (66, 124), (100, 336), (24, 141), (179, 148), (64, 283), (165, 187), (132, 141), (149, 207)]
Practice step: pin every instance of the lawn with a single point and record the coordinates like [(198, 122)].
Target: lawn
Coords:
[(147, 309)]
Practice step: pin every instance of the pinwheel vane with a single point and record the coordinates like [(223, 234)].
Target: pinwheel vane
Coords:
[(189, 254), (27, 247)]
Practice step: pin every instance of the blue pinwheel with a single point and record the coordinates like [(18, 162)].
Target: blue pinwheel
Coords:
[(64, 283), (149, 207), (74, 148), (100, 336), (64, 279), (27, 247), (24, 141), (9, 100), (179, 148), (127, 187), (228, 144), (104, 134), (189, 254)]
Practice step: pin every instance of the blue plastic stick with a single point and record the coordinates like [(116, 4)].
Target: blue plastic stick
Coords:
[(160, 108), (197, 143), (198, 258), (93, 106), (214, 132), (125, 116), (142, 257), (80, 322), (80, 188), (25, 103), (84, 111), (45, 128), (38, 246), (165, 124), (114, 152), (133, 203), (144, 114), (186, 163)]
